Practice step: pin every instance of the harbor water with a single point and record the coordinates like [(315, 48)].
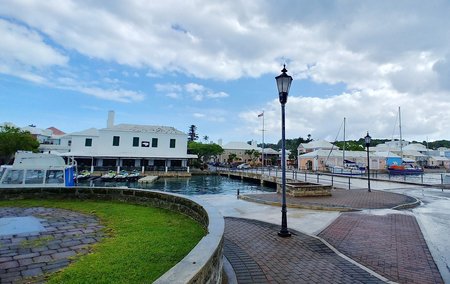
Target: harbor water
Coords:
[(195, 185)]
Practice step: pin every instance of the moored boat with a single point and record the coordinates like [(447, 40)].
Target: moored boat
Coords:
[(134, 175), (37, 170), (349, 168), (109, 175), (122, 175), (84, 174), (404, 169)]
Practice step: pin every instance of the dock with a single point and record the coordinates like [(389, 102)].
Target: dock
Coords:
[(147, 179)]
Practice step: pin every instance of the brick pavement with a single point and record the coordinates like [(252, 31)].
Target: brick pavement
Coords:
[(341, 198), (392, 245), (32, 255), (259, 255)]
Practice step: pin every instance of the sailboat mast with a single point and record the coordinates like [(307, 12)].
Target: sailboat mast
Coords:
[(343, 148), (400, 128)]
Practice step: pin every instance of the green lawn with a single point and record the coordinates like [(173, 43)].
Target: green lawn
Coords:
[(144, 242)]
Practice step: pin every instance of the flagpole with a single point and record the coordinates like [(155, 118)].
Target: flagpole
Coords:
[(262, 151)]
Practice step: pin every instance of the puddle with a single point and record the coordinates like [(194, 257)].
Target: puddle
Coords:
[(20, 225)]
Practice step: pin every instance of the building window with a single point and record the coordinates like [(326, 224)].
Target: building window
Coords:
[(116, 140), (154, 142), (172, 143), (88, 142), (69, 143), (135, 141)]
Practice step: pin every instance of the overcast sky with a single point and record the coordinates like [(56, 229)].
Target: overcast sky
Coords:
[(212, 64)]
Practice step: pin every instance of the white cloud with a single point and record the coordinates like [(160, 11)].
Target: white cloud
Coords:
[(119, 95), (24, 53), (194, 88), (375, 111), (217, 95), (194, 91), (168, 87), (387, 53), (173, 95)]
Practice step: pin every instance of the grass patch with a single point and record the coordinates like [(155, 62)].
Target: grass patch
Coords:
[(144, 242), (37, 242)]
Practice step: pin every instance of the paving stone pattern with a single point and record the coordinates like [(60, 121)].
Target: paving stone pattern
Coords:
[(259, 255), (353, 198), (28, 256), (392, 245)]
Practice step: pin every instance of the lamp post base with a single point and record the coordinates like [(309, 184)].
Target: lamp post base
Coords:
[(284, 234)]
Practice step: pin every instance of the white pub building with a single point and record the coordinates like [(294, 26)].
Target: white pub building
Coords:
[(130, 146)]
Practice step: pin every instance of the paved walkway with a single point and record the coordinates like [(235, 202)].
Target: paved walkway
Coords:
[(32, 254), (391, 246), (353, 199), (258, 255)]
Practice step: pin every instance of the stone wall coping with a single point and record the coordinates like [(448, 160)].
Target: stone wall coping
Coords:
[(202, 254)]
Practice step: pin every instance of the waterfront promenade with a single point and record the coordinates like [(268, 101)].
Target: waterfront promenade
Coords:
[(373, 245)]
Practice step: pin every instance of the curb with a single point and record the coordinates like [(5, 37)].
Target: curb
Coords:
[(408, 205), (414, 204), (299, 206)]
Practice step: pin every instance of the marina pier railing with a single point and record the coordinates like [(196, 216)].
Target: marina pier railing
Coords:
[(346, 181)]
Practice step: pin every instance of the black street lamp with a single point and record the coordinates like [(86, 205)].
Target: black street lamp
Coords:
[(368, 139), (283, 84)]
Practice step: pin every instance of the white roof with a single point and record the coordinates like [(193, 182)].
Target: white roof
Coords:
[(385, 154), (348, 154), (87, 132), (271, 151), (145, 128), (439, 158), (37, 131), (240, 146), (317, 144), (413, 153), (415, 147)]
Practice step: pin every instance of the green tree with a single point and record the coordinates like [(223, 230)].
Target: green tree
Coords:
[(12, 139), (192, 135), (253, 154), (231, 158), (204, 151), (350, 145)]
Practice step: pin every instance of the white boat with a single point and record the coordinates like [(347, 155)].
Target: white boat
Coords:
[(349, 168), (37, 170)]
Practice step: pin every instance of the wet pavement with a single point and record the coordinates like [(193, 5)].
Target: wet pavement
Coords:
[(341, 199), (25, 257), (392, 245), (385, 245), (258, 255)]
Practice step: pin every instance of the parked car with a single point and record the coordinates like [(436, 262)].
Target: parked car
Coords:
[(244, 166)]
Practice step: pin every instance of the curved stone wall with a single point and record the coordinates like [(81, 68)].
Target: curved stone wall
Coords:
[(202, 265)]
